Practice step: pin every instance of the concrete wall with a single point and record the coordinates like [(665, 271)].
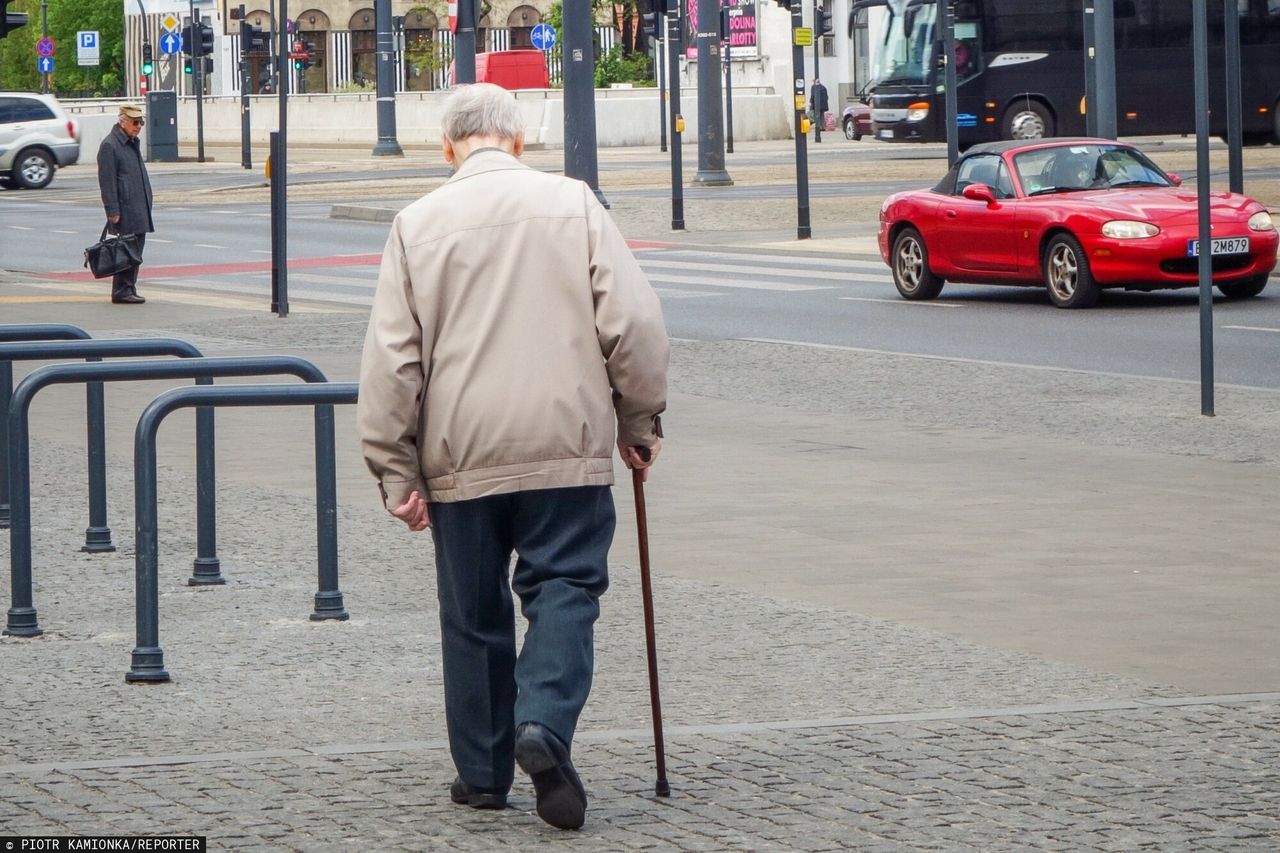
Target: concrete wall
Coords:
[(623, 117)]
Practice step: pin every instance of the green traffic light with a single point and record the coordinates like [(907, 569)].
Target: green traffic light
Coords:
[(148, 68)]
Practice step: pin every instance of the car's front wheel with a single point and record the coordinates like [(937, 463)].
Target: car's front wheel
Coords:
[(911, 273), (1067, 276), (851, 129), (1243, 289), (33, 169)]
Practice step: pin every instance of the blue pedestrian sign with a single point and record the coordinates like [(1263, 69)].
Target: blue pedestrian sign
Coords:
[(44, 64), (171, 43), (543, 36)]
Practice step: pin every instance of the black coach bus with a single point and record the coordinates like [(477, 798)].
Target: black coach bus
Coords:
[(1020, 69)]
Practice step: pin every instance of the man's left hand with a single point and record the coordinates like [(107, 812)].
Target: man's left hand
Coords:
[(414, 512)]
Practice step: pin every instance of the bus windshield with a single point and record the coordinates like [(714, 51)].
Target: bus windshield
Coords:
[(906, 55)]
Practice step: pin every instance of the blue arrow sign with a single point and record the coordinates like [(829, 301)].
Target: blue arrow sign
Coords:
[(171, 43), (44, 64), (543, 36)]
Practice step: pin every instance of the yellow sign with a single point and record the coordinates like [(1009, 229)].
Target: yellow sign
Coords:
[(802, 36), (800, 102), (170, 23)]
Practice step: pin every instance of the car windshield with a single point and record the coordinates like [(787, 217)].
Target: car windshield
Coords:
[(1071, 168), (906, 51)]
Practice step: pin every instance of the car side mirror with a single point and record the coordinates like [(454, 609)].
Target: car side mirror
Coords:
[(980, 192), (1177, 182)]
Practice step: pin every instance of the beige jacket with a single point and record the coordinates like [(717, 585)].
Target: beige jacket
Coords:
[(511, 326)]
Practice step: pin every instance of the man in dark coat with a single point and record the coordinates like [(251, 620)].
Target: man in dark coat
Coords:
[(818, 105), (126, 194)]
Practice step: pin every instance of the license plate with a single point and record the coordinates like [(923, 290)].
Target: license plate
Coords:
[(886, 133), (1221, 246)]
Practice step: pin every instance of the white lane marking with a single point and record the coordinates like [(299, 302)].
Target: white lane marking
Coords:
[(260, 251), (1253, 328), (158, 240), (63, 232), (675, 293), (742, 285), (745, 269), (792, 260), (903, 302), (21, 228), (208, 246), (992, 363)]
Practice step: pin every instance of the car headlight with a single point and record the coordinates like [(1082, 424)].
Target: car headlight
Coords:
[(919, 111), (1261, 221), (1128, 229)]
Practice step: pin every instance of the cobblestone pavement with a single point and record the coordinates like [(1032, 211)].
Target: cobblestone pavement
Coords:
[(796, 720)]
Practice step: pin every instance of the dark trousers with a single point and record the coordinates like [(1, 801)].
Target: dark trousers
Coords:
[(126, 283), (561, 538)]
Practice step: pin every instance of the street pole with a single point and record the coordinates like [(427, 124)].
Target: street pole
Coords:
[(279, 177), (580, 97), (387, 145), (1090, 73), (246, 154), (197, 77), (464, 42), (1235, 135), (817, 62), (44, 31), (660, 59), (728, 80), (803, 231), (1104, 40), (677, 123), (1200, 37), (711, 171), (949, 59)]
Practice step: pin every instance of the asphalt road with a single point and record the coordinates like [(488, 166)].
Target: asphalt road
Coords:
[(708, 294)]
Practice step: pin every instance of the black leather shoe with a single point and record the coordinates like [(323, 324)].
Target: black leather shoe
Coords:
[(128, 299), (562, 801), (465, 794)]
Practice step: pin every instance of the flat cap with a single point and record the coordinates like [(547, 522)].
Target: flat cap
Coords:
[(131, 110)]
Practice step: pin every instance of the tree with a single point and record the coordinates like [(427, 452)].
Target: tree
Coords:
[(66, 18)]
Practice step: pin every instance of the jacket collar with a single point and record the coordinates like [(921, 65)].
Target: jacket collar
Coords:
[(486, 160)]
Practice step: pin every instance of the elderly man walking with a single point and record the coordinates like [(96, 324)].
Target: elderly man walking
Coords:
[(126, 194), (511, 330)]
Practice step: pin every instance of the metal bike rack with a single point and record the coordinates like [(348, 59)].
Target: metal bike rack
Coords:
[(97, 537), (30, 332), (147, 656), (22, 617)]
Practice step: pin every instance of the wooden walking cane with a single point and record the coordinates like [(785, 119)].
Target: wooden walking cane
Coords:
[(662, 788)]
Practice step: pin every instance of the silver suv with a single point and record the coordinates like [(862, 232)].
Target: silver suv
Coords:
[(36, 137)]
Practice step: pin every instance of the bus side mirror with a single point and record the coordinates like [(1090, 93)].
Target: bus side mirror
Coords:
[(1177, 182)]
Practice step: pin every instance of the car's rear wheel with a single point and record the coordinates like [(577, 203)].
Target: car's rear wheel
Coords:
[(911, 273), (33, 169), (851, 129), (1067, 276), (1243, 289), (1027, 119)]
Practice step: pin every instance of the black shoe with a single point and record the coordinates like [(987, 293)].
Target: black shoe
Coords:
[(128, 299), (562, 801), (465, 794)]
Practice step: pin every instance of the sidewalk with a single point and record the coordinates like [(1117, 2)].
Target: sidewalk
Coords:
[(902, 604)]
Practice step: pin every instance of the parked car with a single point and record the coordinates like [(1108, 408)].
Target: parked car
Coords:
[(1074, 216), (856, 121), (36, 138)]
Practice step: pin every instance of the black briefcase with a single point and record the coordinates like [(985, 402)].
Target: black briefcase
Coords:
[(113, 253)]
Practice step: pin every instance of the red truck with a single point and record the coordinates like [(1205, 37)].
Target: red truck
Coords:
[(511, 69)]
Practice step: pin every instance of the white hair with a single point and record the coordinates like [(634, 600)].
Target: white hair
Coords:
[(481, 109)]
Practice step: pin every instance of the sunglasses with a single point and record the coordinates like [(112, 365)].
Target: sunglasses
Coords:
[(137, 122)]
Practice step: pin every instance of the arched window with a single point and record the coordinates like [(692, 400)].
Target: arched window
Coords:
[(364, 47), (260, 70), (521, 22), (421, 50), (312, 29)]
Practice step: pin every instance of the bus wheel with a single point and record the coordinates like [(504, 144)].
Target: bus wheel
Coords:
[(1027, 119)]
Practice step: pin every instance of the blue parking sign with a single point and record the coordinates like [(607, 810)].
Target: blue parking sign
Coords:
[(88, 39)]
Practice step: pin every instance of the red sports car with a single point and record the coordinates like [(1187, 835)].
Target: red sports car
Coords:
[(1073, 216)]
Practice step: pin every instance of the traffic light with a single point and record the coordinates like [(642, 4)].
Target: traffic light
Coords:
[(205, 34), (186, 65), (253, 39), (10, 21), (821, 21), (208, 65), (301, 54), (148, 62)]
